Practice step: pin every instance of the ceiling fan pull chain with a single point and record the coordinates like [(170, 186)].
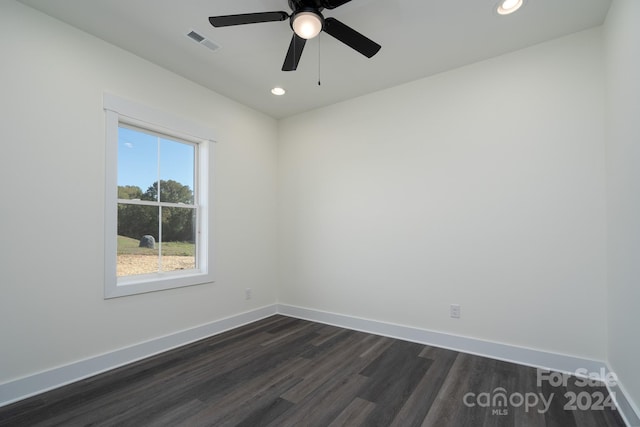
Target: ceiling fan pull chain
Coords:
[(319, 83)]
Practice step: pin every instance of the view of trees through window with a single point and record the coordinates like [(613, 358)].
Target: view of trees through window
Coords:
[(157, 211)]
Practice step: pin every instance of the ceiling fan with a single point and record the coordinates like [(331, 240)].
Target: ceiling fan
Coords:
[(306, 22)]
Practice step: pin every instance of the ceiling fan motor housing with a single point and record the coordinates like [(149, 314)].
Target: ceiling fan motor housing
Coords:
[(298, 5), (317, 4)]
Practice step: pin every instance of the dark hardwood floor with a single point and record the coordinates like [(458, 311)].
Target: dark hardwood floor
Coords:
[(282, 371)]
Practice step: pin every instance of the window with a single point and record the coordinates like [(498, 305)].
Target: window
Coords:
[(158, 199)]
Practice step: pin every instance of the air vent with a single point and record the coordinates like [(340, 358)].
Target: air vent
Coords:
[(195, 36), (198, 38)]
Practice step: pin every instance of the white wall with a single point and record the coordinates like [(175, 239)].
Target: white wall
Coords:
[(482, 186), (52, 171), (622, 36)]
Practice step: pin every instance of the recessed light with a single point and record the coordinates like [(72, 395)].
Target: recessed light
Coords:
[(506, 7), (278, 91)]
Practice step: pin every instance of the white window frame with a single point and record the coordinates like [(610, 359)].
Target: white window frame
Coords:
[(122, 111)]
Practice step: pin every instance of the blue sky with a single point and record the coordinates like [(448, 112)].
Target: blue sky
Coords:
[(138, 159)]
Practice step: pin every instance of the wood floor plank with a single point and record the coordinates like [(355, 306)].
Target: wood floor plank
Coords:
[(557, 416), (324, 405), (339, 360), (393, 376), (169, 416), (448, 409), (284, 334), (266, 414), (282, 371), (252, 395), (527, 382), (379, 345), (327, 345), (502, 385), (326, 333), (354, 415), (218, 385), (419, 403)]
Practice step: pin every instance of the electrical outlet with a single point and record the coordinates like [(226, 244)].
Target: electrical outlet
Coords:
[(247, 293), (454, 311)]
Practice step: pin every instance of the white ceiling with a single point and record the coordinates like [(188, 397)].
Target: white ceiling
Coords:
[(418, 37)]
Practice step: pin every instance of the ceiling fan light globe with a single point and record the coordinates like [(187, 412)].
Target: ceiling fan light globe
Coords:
[(307, 25)]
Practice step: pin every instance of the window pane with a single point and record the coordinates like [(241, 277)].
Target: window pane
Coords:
[(178, 239), (137, 239), (177, 161), (137, 164)]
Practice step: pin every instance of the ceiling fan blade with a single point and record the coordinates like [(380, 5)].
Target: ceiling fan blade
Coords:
[(351, 37), (247, 18), (332, 4), (294, 53)]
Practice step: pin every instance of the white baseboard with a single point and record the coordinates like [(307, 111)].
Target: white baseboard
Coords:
[(627, 407), (493, 350), (31, 385)]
